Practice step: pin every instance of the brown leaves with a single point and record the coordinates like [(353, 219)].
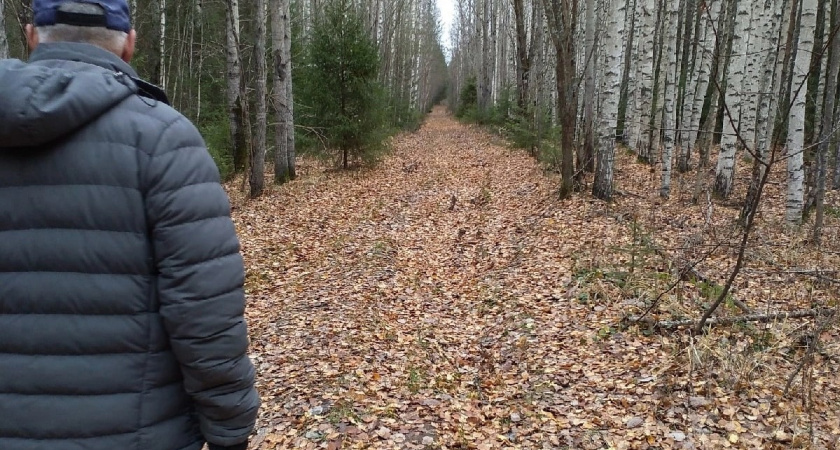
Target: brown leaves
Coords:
[(385, 314)]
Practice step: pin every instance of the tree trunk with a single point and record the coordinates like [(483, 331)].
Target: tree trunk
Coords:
[(669, 101), (729, 140), (627, 101), (162, 81), (523, 66), (686, 88), (609, 95), (770, 23), (647, 9), (796, 118), (826, 130), (658, 86), (288, 111), (562, 17), (257, 163), (234, 82), (591, 62), (279, 94), (4, 42), (709, 18)]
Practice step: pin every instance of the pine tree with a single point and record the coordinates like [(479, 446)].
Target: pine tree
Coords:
[(340, 82)]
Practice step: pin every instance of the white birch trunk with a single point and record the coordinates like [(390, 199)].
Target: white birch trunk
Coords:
[(770, 23), (729, 142), (631, 30), (590, 62), (162, 44), (796, 118), (644, 77), (670, 95), (659, 86), (749, 85), (820, 95), (692, 79), (610, 94), (705, 53)]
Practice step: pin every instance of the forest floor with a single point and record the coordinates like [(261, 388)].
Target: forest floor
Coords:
[(447, 299)]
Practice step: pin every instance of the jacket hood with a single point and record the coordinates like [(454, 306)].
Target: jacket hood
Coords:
[(44, 100)]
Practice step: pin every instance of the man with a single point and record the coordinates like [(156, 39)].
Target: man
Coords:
[(121, 300)]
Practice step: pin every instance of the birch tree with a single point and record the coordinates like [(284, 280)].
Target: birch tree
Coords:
[(590, 64), (610, 94), (669, 70), (162, 43), (729, 140), (705, 73), (796, 117), (647, 11)]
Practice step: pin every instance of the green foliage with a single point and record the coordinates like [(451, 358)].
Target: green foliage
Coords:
[(340, 97), (404, 116), (468, 105), (215, 129), (531, 129)]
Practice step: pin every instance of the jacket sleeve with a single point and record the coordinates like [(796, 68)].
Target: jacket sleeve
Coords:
[(200, 283)]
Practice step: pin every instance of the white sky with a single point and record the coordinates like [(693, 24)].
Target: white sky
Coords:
[(447, 15)]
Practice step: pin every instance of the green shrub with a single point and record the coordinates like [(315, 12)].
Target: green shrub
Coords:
[(215, 129)]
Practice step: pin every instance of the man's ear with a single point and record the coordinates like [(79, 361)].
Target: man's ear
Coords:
[(31, 36), (128, 49)]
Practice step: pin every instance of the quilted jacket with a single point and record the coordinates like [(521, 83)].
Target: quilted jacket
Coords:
[(121, 299)]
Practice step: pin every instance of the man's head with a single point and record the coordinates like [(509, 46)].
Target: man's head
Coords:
[(104, 23)]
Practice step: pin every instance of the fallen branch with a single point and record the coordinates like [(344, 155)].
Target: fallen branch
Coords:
[(685, 268), (760, 318), (813, 345)]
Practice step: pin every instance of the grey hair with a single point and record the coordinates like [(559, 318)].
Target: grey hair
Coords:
[(111, 40)]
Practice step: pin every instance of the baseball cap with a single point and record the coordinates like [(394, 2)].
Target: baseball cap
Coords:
[(45, 13)]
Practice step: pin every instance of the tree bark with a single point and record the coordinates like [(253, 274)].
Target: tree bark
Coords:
[(645, 77), (4, 42), (826, 130), (562, 17), (234, 85), (729, 140), (257, 163), (288, 112), (610, 95), (590, 60), (796, 117), (523, 66), (669, 101)]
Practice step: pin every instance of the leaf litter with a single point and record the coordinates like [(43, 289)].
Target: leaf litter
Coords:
[(448, 299)]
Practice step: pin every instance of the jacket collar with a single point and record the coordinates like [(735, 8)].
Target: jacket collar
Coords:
[(91, 54)]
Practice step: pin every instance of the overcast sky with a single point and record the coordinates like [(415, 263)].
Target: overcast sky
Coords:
[(447, 15)]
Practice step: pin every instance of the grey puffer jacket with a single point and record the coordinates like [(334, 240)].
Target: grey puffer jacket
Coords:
[(121, 299)]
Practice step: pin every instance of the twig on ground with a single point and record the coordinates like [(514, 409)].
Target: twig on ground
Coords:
[(760, 318)]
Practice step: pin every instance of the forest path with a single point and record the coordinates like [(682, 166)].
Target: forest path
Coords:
[(432, 302)]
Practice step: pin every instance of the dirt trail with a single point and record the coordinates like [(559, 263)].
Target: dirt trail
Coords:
[(432, 302)]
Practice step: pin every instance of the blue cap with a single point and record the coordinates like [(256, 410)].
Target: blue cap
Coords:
[(116, 16)]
